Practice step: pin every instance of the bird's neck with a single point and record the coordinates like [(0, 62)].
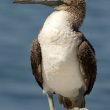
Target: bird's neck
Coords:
[(76, 13), (62, 23)]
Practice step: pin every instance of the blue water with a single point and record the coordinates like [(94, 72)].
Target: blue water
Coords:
[(19, 25)]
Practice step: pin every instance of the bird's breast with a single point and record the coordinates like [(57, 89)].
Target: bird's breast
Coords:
[(61, 70), (60, 65)]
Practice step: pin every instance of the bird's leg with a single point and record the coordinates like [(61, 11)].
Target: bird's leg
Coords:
[(50, 101)]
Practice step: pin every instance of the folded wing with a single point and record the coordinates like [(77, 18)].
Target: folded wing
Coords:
[(36, 59), (86, 55)]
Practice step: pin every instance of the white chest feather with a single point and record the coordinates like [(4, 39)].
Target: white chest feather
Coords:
[(60, 66)]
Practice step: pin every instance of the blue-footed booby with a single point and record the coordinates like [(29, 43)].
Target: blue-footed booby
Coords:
[(63, 60)]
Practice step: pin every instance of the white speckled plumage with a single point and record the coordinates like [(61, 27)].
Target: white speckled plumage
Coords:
[(61, 70)]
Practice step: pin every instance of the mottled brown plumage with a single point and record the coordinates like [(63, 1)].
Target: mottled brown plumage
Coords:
[(36, 61), (87, 60), (70, 104)]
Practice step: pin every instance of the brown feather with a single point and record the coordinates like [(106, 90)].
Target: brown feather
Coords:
[(66, 102), (86, 55), (70, 104), (36, 59)]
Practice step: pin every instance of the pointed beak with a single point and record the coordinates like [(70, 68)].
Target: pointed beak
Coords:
[(44, 2), (24, 1)]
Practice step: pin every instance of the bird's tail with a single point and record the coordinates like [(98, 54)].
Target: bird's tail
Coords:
[(69, 104)]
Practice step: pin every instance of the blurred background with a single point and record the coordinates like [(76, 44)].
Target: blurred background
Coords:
[(19, 25)]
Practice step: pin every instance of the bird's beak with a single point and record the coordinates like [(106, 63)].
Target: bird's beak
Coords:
[(44, 2)]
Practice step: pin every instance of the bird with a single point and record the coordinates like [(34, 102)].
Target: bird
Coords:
[(63, 60)]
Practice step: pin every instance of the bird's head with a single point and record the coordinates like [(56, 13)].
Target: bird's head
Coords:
[(52, 3), (76, 8)]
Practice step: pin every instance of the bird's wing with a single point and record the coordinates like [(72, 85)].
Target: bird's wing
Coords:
[(36, 59), (86, 56)]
